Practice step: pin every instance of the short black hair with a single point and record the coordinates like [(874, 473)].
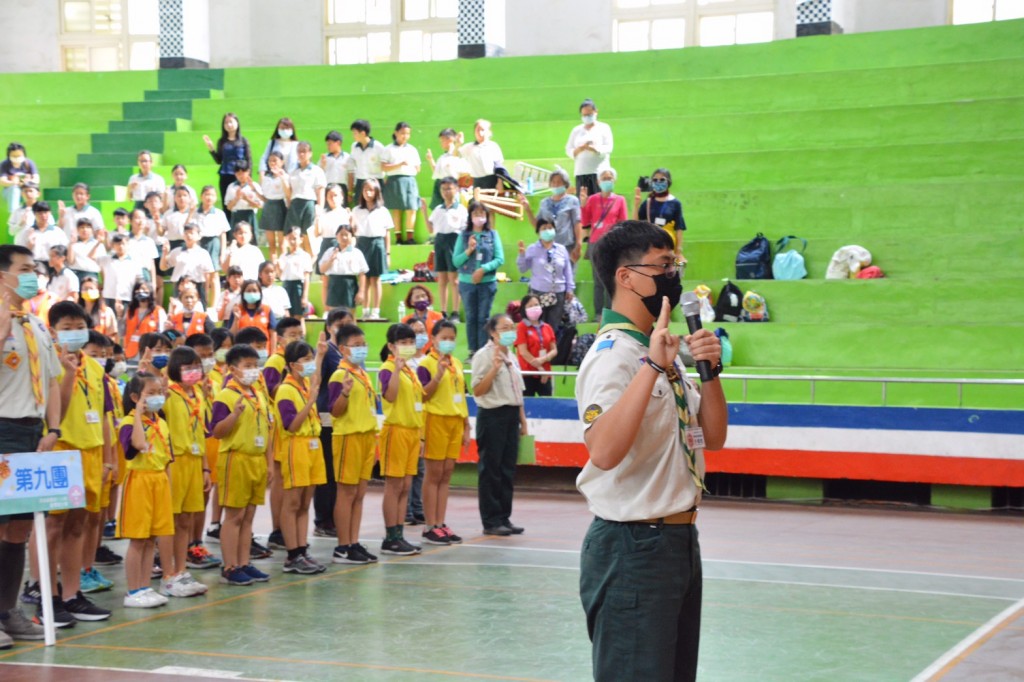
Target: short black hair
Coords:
[(241, 165), (84, 222), (296, 350), (348, 331), (180, 357), (221, 334), (492, 322), (59, 250), (250, 335), (7, 253), (587, 103), (396, 332), (333, 136), (199, 340), (448, 180), (118, 349), (360, 124), (157, 195), (447, 132), (337, 314), (286, 323), (120, 212), (241, 352), (65, 309), (97, 339), (152, 340), (629, 241), (41, 207), (441, 325)]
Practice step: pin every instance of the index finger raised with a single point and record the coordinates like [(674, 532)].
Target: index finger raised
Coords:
[(666, 314)]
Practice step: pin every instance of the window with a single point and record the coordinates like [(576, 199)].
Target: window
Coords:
[(977, 11), (371, 31), (667, 24), (109, 35), (737, 29)]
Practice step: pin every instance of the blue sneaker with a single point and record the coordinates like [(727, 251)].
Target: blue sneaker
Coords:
[(236, 577), (103, 582), (255, 573), (88, 583), (109, 530)]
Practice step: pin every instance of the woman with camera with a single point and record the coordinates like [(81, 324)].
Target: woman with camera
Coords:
[(660, 207)]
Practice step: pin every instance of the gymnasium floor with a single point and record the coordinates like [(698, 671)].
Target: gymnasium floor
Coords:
[(791, 593)]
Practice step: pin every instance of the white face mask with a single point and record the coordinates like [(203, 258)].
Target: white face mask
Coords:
[(208, 364), (588, 119), (250, 376), (285, 133)]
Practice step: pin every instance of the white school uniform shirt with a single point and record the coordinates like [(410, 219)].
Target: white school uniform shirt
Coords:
[(72, 215), (248, 257), (482, 157), (272, 187), (375, 223), (331, 220), (142, 248), (406, 154), (194, 263), (119, 275), (146, 184), (288, 148), (295, 265), (337, 168), (63, 283), (212, 224), (366, 162), (245, 195), (40, 241), (590, 162), (21, 220), (305, 181), (449, 165), (174, 225), (349, 262), (82, 260), (277, 299), (449, 220)]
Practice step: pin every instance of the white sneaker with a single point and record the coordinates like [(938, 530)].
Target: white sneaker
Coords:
[(193, 584), (156, 596), (140, 600)]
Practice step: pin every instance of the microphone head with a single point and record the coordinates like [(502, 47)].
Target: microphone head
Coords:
[(690, 304)]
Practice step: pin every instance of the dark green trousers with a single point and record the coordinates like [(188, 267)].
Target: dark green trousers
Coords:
[(641, 585)]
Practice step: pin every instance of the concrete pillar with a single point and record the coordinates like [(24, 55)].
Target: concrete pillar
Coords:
[(184, 34), (481, 28)]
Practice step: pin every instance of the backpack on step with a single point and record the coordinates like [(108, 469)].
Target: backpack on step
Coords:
[(789, 264), (580, 348), (755, 309), (754, 259), (729, 304)]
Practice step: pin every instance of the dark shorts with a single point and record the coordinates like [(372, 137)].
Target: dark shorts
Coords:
[(302, 212), (373, 251), (444, 251), (401, 193), (590, 182), (20, 435), (273, 217), (341, 290), (294, 289)]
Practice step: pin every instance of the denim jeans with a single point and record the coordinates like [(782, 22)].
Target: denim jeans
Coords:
[(477, 300)]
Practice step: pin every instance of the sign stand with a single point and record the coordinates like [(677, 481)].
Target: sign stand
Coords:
[(43, 555)]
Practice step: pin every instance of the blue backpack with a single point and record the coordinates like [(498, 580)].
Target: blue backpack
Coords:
[(754, 259), (789, 264)]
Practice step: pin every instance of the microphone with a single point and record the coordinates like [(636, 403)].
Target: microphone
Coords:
[(691, 310)]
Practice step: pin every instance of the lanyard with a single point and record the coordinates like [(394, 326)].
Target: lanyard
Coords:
[(83, 381)]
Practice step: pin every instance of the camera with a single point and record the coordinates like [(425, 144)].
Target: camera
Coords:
[(644, 183)]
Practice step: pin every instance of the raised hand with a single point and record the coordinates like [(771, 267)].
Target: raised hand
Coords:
[(664, 344), (208, 142), (584, 194), (471, 244), (522, 248), (347, 383), (430, 156)]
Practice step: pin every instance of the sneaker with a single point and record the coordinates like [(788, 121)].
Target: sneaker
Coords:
[(5, 640), (106, 557), (236, 577), (452, 537), (82, 609), (62, 618), (195, 585), (300, 565), (503, 531), (454, 318), (100, 579), (400, 547), (31, 593), (325, 532), (213, 532), (157, 571), (363, 552), (143, 599), (349, 556), (258, 551), (256, 574), (320, 567), (110, 530), (87, 583), (436, 536), (276, 540), (200, 558), (178, 586), (18, 626), (516, 530)]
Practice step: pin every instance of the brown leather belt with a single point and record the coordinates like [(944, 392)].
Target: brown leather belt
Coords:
[(683, 518)]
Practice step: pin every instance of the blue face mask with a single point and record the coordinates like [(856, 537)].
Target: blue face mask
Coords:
[(308, 368), (359, 354), (155, 403), (28, 285), (263, 356), (421, 341), (73, 340), (445, 347), (507, 338), (251, 297), (659, 185), (159, 361), (606, 185), (558, 191), (547, 235)]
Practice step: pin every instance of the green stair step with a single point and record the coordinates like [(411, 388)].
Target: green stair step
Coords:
[(179, 108), (127, 159), (127, 142), (99, 176), (99, 193), (165, 95), (190, 79), (181, 125)]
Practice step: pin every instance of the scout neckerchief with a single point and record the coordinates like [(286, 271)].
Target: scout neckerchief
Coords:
[(243, 394), (151, 426), (613, 320), (359, 374), (32, 344), (194, 404), (302, 386), (411, 376), (451, 369)]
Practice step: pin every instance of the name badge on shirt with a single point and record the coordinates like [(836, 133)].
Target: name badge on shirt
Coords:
[(314, 444), (418, 407), (92, 417), (195, 448), (550, 269), (458, 398), (660, 222), (259, 442), (135, 338), (694, 438), (479, 255)]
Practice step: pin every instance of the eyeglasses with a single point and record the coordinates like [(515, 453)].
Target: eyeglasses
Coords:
[(670, 268)]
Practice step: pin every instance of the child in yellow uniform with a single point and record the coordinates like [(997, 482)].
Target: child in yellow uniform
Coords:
[(241, 420), (400, 436), (288, 329), (198, 555), (353, 405), (223, 340), (298, 448), (185, 417), (145, 510), (115, 367), (447, 428)]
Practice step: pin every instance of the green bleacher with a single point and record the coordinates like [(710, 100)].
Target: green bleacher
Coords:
[(909, 143)]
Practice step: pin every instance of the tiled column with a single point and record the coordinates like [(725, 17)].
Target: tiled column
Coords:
[(481, 28), (184, 34)]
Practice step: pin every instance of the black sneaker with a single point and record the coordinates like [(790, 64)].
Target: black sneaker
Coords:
[(31, 593), (454, 317), (516, 530), (82, 609), (399, 547), (452, 537), (62, 618), (107, 557), (363, 552), (213, 532), (258, 551), (436, 536), (325, 532), (503, 531), (276, 540)]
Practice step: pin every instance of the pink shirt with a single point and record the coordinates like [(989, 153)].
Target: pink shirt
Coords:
[(600, 214)]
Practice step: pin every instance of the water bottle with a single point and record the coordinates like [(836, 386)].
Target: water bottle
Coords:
[(401, 310)]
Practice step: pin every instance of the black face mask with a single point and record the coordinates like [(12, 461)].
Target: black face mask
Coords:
[(143, 296), (108, 366), (665, 285)]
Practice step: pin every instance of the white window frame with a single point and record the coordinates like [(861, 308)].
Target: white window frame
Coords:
[(995, 8), (397, 26), (689, 10), (122, 40)]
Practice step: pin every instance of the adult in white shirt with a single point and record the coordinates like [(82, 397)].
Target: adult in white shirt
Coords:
[(366, 158), (141, 184), (192, 261), (401, 161), (213, 224), (70, 216), (44, 234), (445, 223), (120, 272), (590, 146), (243, 254), (274, 295), (482, 155)]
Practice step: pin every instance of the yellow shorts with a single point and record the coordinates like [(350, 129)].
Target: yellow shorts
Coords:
[(122, 463), (212, 452), (302, 462), (92, 476), (444, 436), (243, 480), (108, 483), (187, 484), (399, 451), (272, 446), (354, 454), (145, 510)]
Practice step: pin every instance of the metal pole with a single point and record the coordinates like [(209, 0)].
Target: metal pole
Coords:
[(43, 555)]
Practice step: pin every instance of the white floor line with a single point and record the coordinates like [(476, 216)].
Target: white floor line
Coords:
[(171, 670), (969, 641)]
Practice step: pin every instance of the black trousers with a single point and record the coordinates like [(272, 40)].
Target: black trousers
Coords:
[(536, 387), (326, 495), (497, 441)]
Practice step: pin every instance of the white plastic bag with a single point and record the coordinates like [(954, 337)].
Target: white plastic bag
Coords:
[(847, 262)]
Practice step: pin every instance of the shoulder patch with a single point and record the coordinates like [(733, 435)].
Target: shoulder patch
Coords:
[(604, 344), (591, 413)]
